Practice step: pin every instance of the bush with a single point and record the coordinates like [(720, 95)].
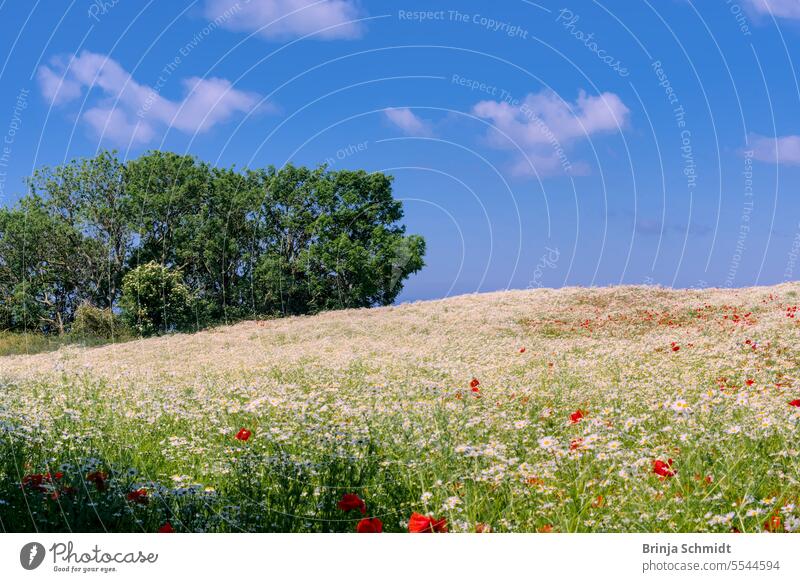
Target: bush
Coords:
[(155, 300), (93, 322)]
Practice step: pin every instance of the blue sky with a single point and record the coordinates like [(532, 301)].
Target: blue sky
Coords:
[(534, 143)]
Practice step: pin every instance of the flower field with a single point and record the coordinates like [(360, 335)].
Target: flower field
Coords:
[(626, 409)]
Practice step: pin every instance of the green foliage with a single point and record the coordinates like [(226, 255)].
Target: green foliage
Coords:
[(95, 323), (249, 243), (154, 299)]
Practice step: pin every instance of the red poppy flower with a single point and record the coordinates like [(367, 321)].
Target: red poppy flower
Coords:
[(795, 403), (166, 528), (243, 434), (36, 482), (675, 347), (99, 479), (419, 523), (474, 383), (575, 444), (663, 469), (350, 501), (138, 496), (547, 528), (522, 350), (749, 382), (577, 416), (369, 525), (773, 523)]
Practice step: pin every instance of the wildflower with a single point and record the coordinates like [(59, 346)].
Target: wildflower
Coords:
[(547, 528), (675, 346), (419, 523), (483, 528), (36, 482), (99, 479), (795, 403), (577, 416), (662, 469), (576, 443), (350, 501), (451, 502), (369, 525), (138, 496), (547, 442), (774, 523), (474, 383), (680, 406), (522, 350), (243, 435), (166, 528), (749, 381)]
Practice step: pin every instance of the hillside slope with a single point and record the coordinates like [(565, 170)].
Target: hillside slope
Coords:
[(586, 330), (611, 409)]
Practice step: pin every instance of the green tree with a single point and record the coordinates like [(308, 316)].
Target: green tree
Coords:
[(42, 267), (89, 195), (231, 243), (330, 240), (155, 300)]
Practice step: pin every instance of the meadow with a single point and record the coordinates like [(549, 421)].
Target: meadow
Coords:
[(622, 409)]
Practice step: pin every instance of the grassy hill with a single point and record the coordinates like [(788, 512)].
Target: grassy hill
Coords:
[(516, 411)]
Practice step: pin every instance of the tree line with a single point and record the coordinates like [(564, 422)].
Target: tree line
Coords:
[(168, 242)]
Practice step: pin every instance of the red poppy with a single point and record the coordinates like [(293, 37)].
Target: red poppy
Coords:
[(36, 481), (350, 501), (474, 383), (663, 469), (675, 347), (795, 403), (243, 434), (419, 523), (166, 528), (749, 382), (99, 479), (139, 496), (522, 350), (546, 528), (369, 525), (575, 444), (577, 416), (773, 523)]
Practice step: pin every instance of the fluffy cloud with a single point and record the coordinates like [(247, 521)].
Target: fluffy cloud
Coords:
[(779, 8), (545, 127), (776, 150), (283, 19), (132, 113), (409, 123)]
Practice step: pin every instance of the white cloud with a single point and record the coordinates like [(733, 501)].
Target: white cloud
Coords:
[(545, 127), (408, 122), (776, 150), (132, 113), (779, 8), (283, 19)]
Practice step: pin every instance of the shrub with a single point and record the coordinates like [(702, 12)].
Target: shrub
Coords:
[(93, 322), (155, 299)]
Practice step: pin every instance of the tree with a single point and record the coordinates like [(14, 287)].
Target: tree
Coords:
[(164, 232), (331, 240), (155, 300), (43, 273), (89, 195)]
